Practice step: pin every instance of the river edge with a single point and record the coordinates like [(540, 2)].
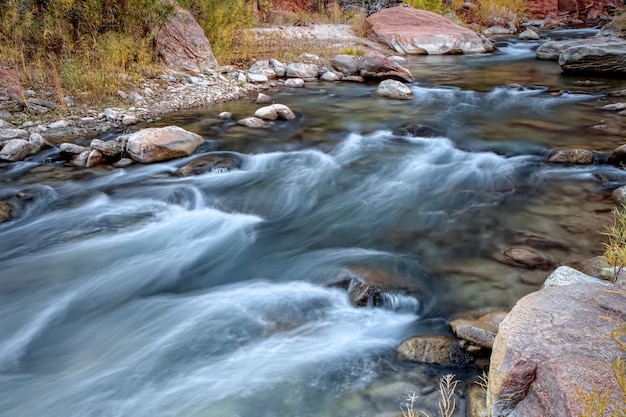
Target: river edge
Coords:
[(175, 93)]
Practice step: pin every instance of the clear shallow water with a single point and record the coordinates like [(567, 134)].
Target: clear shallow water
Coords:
[(136, 292)]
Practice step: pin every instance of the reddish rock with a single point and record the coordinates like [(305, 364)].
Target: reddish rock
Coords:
[(182, 44), (570, 11), (411, 31), (10, 85), (551, 344), (376, 66)]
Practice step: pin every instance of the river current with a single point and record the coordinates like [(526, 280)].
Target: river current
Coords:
[(135, 292)]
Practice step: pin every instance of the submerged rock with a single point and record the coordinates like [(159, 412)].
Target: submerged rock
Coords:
[(160, 144), (525, 258), (210, 163), (440, 350), (418, 130), (254, 123), (5, 212), (573, 156)]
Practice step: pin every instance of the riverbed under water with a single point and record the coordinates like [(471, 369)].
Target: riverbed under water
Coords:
[(135, 292)]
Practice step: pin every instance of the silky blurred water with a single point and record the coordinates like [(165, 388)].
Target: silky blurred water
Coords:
[(136, 292)]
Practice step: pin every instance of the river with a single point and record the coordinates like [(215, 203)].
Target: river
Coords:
[(136, 292)]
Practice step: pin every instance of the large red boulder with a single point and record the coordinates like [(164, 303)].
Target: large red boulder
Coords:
[(182, 44), (553, 344), (411, 31)]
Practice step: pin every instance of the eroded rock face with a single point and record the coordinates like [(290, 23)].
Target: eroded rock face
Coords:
[(551, 50), (160, 144), (376, 66), (599, 58), (548, 346), (571, 11), (411, 31), (182, 44)]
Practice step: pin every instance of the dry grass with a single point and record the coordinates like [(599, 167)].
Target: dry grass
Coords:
[(447, 402), (615, 244), (359, 25), (599, 403)]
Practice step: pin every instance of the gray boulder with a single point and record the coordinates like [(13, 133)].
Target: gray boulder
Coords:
[(551, 345), (110, 149), (564, 275), (262, 68), (274, 112), (330, 76), (300, 70), (345, 64), (15, 150), (295, 83), (609, 59), (394, 89), (8, 134), (160, 144), (529, 35)]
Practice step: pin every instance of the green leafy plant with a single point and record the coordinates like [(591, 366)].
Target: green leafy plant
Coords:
[(430, 5), (352, 51)]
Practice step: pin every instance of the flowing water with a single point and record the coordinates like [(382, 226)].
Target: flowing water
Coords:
[(135, 292)]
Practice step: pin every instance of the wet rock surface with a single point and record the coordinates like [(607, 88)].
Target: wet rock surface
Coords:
[(216, 163), (440, 350)]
